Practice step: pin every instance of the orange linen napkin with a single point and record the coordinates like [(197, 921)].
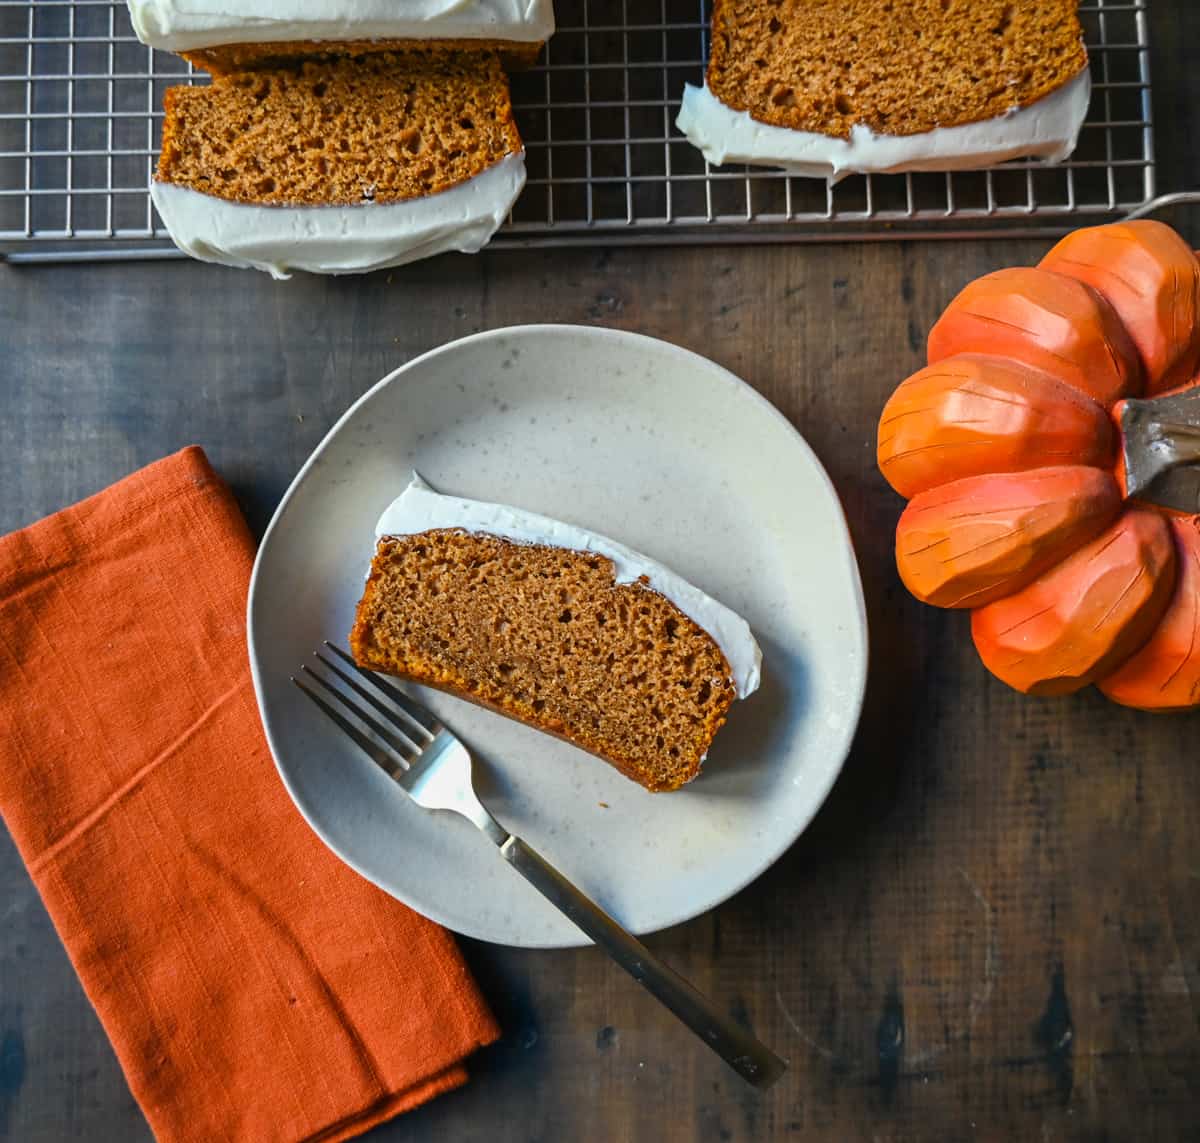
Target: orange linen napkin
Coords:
[(253, 987)]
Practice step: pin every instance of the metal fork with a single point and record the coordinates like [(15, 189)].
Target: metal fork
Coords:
[(433, 767)]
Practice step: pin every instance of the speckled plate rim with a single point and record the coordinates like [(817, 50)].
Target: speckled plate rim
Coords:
[(770, 855)]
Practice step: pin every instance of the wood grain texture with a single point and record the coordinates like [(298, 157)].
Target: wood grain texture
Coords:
[(991, 930)]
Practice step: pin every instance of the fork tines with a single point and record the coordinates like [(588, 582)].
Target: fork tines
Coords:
[(403, 725)]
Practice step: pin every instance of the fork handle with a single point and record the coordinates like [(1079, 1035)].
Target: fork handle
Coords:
[(750, 1058)]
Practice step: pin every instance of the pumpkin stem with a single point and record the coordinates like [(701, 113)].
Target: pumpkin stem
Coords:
[(1162, 449)]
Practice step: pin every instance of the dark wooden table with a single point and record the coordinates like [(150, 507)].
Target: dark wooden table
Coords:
[(991, 930)]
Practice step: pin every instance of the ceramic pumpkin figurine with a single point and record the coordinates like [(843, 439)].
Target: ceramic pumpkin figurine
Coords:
[(1050, 452)]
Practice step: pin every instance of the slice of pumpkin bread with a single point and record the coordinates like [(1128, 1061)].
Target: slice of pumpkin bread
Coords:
[(559, 628)]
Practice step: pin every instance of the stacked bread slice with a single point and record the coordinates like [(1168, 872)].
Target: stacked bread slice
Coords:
[(219, 36), (339, 136)]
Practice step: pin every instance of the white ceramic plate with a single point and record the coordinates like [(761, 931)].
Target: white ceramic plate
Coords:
[(662, 450)]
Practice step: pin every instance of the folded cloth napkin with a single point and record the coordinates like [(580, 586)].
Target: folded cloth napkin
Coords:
[(253, 987)]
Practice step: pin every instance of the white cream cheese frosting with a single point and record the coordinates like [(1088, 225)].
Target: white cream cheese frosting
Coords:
[(185, 25), (340, 239), (421, 509), (1047, 128)]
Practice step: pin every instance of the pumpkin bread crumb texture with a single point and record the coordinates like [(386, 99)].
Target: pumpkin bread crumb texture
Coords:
[(237, 57), (340, 130), (901, 67), (547, 636)]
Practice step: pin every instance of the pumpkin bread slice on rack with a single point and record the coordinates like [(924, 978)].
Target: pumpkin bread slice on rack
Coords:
[(341, 163), (829, 87), (220, 36)]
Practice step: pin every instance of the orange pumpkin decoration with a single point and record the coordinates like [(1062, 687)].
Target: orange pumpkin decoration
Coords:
[(1050, 452)]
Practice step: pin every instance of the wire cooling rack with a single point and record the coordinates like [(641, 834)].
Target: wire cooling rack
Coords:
[(80, 122)]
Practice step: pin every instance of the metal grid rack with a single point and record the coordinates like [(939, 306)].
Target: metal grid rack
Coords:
[(80, 120)]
